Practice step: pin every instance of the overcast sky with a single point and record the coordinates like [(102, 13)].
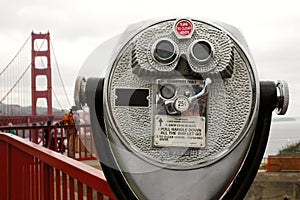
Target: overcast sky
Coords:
[(271, 28)]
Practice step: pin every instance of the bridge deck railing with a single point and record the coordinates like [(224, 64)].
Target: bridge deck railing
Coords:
[(74, 141), (31, 172)]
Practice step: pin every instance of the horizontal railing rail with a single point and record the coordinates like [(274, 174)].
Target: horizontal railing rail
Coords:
[(74, 141), (31, 172)]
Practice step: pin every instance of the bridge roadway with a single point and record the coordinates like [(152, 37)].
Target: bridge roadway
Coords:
[(29, 119)]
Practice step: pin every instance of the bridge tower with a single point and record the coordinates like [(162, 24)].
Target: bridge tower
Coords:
[(44, 72)]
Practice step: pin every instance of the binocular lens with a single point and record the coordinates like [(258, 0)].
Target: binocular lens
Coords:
[(164, 51), (201, 51)]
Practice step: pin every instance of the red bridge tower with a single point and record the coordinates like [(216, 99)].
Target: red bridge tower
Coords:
[(37, 71)]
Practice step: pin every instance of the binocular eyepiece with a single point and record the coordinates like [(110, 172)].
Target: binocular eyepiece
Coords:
[(165, 51), (180, 112)]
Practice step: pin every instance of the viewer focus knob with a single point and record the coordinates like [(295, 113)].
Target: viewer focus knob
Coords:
[(282, 97)]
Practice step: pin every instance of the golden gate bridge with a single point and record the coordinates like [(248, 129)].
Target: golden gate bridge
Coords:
[(29, 171), (26, 83)]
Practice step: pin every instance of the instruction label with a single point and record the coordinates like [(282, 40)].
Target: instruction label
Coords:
[(179, 131)]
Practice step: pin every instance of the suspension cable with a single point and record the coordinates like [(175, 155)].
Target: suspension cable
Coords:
[(61, 108), (53, 89), (5, 68), (16, 83), (22, 75), (60, 77)]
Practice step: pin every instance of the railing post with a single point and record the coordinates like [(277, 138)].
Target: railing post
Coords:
[(45, 181), (4, 166)]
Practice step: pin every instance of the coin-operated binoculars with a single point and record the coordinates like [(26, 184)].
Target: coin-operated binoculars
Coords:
[(180, 112)]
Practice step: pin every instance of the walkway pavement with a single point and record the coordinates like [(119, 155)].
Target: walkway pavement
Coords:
[(93, 163)]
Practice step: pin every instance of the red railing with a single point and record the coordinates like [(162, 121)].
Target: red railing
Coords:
[(75, 142), (28, 171)]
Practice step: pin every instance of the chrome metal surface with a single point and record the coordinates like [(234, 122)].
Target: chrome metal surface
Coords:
[(225, 130), (79, 92), (231, 110), (203, 92), (172, 105), (282, 97)]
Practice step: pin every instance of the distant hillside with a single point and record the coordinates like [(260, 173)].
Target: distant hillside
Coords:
[(13, 110), (284, 119)]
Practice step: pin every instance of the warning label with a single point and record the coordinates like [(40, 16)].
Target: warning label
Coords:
[(184, 27), (179, 131)]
